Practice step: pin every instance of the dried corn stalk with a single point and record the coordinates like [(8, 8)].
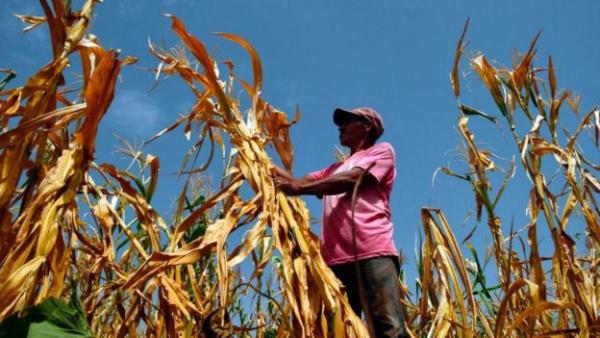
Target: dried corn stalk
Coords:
[(529, 301), (314, 299), (34, 217), (137, 273)]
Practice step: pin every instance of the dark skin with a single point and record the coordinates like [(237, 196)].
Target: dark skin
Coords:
[(354, 134)]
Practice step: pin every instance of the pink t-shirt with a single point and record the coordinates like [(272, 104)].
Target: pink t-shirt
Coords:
[(374, 228)]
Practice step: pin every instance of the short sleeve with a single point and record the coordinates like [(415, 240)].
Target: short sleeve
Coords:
[(323, 173), (381, 157)]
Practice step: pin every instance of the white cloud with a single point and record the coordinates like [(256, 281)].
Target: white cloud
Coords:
[(34, 41), (9, 23), (23, 58), (135, 113), (39, 34), (294, 97), (129, 7)]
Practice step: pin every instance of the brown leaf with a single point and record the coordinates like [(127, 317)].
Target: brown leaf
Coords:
[(457, 55), (551, 78), (256, 64), (490, 78), (520, 73)]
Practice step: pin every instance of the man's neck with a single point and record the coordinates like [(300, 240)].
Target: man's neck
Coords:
[(361, 146)]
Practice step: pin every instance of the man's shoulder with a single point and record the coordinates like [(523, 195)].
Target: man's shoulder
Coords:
[(382, 147)]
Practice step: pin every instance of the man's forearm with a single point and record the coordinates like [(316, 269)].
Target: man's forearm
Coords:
[(333, 185)]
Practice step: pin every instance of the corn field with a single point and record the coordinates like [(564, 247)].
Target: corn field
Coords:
[(74, 229)]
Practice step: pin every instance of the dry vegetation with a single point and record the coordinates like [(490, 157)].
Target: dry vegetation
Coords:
[(72, 227), (538, 296)]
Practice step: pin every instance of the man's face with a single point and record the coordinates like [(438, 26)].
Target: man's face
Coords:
[(353, 130)]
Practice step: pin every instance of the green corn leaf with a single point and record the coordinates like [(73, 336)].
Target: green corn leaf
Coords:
[(468, 110), (51, 318), (11, 75)]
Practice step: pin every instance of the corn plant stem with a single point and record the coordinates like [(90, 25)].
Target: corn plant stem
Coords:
[(359, 276)]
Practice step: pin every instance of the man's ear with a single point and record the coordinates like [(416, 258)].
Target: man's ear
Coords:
[(369, 128)]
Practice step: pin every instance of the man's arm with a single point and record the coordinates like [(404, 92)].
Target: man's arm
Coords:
[(332, 185), (279, 172)]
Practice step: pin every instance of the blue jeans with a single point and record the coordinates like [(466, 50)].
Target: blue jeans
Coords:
[(381, 290)]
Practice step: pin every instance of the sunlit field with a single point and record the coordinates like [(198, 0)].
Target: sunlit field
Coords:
[(83, 251)]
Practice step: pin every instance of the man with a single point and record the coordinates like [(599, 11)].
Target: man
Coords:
[(357, 240)]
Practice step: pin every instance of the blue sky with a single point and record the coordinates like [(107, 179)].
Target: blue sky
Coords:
[(392, 55)]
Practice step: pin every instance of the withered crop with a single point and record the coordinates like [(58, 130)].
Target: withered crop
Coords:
[(68, 222)]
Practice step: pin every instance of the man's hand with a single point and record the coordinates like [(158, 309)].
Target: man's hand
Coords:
[(277, 171), (285, 182), (286, 185)]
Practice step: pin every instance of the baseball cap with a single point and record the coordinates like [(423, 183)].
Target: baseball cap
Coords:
[(367, 113)]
